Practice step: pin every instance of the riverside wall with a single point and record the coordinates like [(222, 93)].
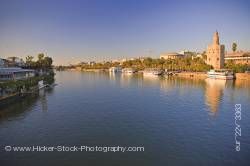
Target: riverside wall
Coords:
[(243, 76), (203, 75), (195, 75)]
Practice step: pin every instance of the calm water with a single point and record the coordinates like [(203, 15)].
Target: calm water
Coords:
[(177, 121)]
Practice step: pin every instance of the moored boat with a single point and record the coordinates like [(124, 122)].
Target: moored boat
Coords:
[(128, 70), (221, 74), (152, 72), (115, 69)]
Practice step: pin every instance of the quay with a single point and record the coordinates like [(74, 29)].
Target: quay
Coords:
[(203, 75)]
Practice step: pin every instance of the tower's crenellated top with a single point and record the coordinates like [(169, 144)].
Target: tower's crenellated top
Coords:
[(216, 38)]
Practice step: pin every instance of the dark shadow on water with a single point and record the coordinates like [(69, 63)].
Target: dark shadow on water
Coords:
[(23, 105), (17, 107)]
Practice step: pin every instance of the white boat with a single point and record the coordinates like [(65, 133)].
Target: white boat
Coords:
[(128, 70), (41, 85), (152, 72), (115, 69), (221, 74)]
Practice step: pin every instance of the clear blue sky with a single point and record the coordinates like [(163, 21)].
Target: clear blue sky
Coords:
[(72, 30)]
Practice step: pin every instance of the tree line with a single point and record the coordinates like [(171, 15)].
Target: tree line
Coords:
[(184, 64), (238, 68), (43, 62)]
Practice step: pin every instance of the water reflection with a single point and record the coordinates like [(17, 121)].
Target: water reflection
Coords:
[(214, 93), (213, 89), (165, 115), (243, 84), (20, 106), (125, 79), (43, 100), (152, 81), (182, 84), (113, 76)]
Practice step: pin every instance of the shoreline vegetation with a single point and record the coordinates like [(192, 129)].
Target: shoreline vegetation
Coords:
[(182, 67), (19, 88), (187, 64)]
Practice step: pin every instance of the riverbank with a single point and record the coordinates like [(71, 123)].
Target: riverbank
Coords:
[(243, 76), (194, 75), (203, 75), (94, 70), (17, 89), (88, 70)]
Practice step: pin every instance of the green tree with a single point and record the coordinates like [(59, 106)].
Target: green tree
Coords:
[(204, 55), (234, 47), (29, 61), (47, 62), (40, 56), (148, 62), (40, 59)]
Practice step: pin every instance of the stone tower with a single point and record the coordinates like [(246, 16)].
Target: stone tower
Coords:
[(216, 53)]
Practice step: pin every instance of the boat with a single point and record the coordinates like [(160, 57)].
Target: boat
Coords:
[(115, 69), (49, 86), (41, 85), (128, 70), (223, 74), (152, 72)]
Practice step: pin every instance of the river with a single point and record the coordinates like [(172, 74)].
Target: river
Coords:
[(176, 121)]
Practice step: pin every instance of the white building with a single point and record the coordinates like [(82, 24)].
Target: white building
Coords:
[(15, 73), (171, 55), (15, 62), (184, 52)]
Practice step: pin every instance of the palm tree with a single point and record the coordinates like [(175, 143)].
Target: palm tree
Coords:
[(234, 47), (40, 58), (29, 61)]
